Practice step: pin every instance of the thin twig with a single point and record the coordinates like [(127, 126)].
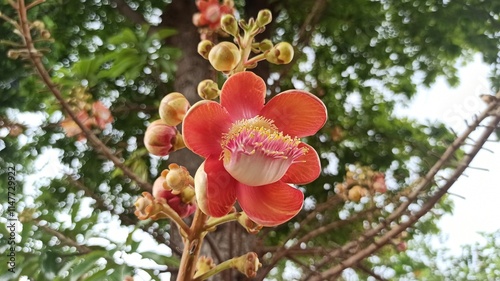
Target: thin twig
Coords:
[(384, 239)]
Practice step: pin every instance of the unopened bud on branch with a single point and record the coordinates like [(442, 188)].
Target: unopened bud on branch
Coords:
[(224, 56), (248, 264), (160, 139), (208, 89), (264, 18), (173, 108), (229, 24), (281, 53), (204, 48)]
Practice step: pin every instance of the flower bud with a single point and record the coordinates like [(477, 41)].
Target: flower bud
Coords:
[(13, 54), (229, 24), (356, 192), (174, 201), (248, 264), (204, 48), (265, 45), (177, 178), (379, 183), (281, 53), (160, 139), (144, 206), (38, 25), (224, 56), (204, 264), (173, 108), (208, 89), (264, 18), (402, 246), (251, 226), (45, 34)]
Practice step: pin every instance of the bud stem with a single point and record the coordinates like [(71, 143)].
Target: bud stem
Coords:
[(213, 222), (256, 59)]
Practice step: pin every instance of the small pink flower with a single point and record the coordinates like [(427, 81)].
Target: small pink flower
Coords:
[(253, 150), (173, 200), (101, 114), (379, 183), (211, 12), (72, 129)]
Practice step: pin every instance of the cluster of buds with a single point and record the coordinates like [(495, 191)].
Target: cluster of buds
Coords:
[(173, 194), (98, 118), (38, 29), (229, 57), (361, 182), (175, 186), (161, 136)]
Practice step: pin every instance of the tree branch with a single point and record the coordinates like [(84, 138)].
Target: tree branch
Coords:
[(35, 57), (384, 239), (82, 249)]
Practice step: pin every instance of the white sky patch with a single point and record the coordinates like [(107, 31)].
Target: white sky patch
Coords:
[(478, 211)]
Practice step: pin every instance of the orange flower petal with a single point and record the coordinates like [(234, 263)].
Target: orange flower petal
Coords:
[(270, 205), (203, 127), (306, 169), (243, 95), (296, 113), (215, 188)]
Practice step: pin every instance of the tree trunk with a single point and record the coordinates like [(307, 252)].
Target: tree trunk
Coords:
[(229, 240)]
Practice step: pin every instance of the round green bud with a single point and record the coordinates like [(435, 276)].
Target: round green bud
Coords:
[(281, 53), (264, 18), (204, 48), (224, 56), (208, 89), (229, 24), (265, 45)]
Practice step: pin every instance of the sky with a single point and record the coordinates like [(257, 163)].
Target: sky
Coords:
[(476, 207)]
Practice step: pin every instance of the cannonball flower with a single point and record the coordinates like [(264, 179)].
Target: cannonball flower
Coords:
[(379, 183), (211, 12), (72, 129), (101, 114), (252, 149)]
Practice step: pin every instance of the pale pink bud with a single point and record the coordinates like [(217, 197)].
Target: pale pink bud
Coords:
[(160, 139), (379, 183)]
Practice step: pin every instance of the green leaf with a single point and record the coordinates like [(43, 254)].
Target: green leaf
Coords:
[(83, 264), (49, 266), (160, 259), (164, 33), (127, 36)]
